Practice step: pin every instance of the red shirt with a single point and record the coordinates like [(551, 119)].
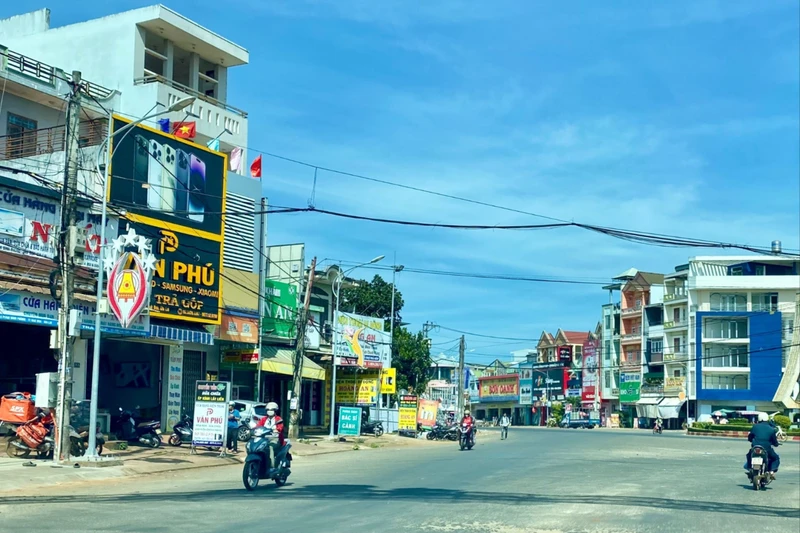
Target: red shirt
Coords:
[(276, 424)]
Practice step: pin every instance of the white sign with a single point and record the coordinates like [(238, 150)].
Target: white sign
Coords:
[(210, 413), (361, 341), (174, 385)]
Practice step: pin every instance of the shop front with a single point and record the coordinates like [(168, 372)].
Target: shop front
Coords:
[(277, 365), (548, 386), (499, 395), (238, 353)]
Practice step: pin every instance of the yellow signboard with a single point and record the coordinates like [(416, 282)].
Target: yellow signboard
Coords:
[(388, 381), (361, 391), (407, 417)]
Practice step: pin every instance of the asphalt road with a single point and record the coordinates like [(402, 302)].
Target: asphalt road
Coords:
[(538, 481)]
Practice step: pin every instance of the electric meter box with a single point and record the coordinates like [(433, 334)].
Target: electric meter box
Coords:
[(46, 389)]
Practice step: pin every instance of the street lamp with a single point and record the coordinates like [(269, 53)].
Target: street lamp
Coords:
[(337, 289), (177, 106)]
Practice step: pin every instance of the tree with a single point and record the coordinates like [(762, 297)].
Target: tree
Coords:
[(411, 356), (373, 298)]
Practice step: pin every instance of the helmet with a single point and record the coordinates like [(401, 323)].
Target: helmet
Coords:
[(272, 408), (763, 417), (466, 413)]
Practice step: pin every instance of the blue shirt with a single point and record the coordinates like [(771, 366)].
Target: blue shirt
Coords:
[(233, 424)]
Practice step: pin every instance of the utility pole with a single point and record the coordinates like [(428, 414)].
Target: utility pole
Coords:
[(67, 244), (262, 300), (299, 355), (461, 348)]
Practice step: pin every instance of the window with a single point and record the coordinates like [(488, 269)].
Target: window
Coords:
[(607, 378), (737, 271), (578, 351), (726, 357), (608, 321), (765, 302), (729, 382), (719, 328), (676, 373), (657, 346), (728, 302), (761, 270), (20, 136), (676, 315), (607, 350), (676, 345)]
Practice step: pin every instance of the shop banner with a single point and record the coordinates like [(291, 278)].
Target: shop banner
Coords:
[(280, 310), (175, 385), (211, 413), (231, 357), (565, 353), (349, 421), (629, 387), (239, 329), (361, 341), (673, 384), (590, 371), (389, 381), (427, 411), (499, 388), (407, 417), (359, 391), (29, 225), (548, 384), (42, 310), (525, 386)]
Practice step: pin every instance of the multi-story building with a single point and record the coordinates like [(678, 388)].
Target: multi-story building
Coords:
[(741, 318), (140, 61), (611, 323)]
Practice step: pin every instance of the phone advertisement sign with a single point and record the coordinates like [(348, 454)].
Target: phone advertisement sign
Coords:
[(210, 413)]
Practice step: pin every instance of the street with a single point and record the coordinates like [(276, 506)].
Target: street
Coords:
[(540, 481)]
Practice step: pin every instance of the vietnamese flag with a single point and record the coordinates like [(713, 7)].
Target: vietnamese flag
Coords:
[(185, 130), (255, 168)]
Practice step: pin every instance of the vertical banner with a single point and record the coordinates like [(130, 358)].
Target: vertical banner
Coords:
[(211, 413), (174, 386), (407, 417), (426, 413), (590, 371)]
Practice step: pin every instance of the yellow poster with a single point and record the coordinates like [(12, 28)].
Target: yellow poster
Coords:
[(361, 391), (407, 417), (388, 381)]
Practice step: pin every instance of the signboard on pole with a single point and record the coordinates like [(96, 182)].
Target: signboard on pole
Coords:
[(211, 413), (407, 417), (361, 341), (349, 421), (389, 381)]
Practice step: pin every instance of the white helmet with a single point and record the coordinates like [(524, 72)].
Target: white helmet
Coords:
[(272, 408), (763, 417)]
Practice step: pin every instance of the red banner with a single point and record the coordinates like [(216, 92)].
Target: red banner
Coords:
[(591, 371)]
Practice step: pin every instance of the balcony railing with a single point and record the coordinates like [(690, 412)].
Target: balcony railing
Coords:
[(631, 310), (155, 78), (657, 357), (631, 337), (675, 356), (653, 389), (675, 324), (675, 297), (634, 364), (49, 140)]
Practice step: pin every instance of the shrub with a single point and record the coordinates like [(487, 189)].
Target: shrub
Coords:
[(783, 421), (793, 432), (739, 421)]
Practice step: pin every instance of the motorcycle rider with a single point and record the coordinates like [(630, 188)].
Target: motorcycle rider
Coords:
[(275, 423), (763, 434), (467, 419), (659, 425)]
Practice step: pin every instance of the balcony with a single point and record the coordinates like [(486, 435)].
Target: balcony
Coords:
[(675, 357), (630, 311), (631, 338), (675, 298), (50, 140), (631, 365), (652, 389), (675, 324), (656, 358)]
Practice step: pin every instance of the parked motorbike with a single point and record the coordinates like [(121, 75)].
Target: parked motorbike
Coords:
[(182, 431), (466, 437), (373, 427), (147, 433), (79, 441), (34, 436), (256, 465), (437, 432), (759, 468), (245, 430)]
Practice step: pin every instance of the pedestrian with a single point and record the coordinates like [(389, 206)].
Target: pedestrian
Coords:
[(504, 423), (233, 428)]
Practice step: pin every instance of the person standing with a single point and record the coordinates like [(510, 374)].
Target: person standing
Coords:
[(233, 428), (505, 422)]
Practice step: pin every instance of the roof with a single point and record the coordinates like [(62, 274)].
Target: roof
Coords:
[(643, 281), (576, 337), (631, 272)]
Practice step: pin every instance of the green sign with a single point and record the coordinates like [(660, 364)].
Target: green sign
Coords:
[(350, 421), (280, 310), (629, 387)]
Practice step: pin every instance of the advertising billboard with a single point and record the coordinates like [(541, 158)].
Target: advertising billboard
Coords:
[(407, 416), (629, 387), (173, 192), (358, 391), (210, 413), (589, 383), (280, 309), (548, 383), (361, 341), (564, 353), (427, 412), (525, 386), (499, 388)]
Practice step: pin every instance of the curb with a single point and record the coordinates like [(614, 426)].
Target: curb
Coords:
[(733, 435)]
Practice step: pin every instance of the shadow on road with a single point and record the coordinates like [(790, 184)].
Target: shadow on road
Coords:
[(369, 492)]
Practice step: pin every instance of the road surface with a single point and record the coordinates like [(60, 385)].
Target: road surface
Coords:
[(538, 481)]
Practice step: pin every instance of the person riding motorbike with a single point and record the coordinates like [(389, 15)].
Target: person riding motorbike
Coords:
[(659, 424), (275, 423), (467, 419), (763, 434)]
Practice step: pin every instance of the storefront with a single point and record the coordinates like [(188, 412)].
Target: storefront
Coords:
[(238, 353), (277, 365), (499, 395)]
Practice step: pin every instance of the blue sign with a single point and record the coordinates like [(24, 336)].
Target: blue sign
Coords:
[(350, 421)]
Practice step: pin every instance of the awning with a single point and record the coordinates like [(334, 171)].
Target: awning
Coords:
[(281, 361), (647, 407), (190, 333), (670, 407)]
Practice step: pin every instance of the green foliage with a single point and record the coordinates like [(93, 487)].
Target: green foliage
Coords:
[(793, 432), (738, 421), (373, 298), (411, 356), (574, 401), (783, 421), (557, 411)]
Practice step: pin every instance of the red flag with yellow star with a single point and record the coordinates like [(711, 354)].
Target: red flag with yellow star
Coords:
[(185, 130)]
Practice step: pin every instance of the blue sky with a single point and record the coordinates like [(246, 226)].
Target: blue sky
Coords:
[(679, 119)]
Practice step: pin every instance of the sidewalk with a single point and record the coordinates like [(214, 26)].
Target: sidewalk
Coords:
[(137, 461)]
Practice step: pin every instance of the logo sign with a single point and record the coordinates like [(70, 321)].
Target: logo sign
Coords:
[(349, 421), (629, 387), (280, 309), (427, 412), (210, 412), (389, 381), (129, 276), (359, 391), (499, 388), (565, 353)]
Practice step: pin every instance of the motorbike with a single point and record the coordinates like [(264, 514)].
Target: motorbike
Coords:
[(781, 434), (657, 429), (256, 465), (466, 437), (372, 426), (245, 430), (79, 441), (437, 432), (759, 468), (147, 433), (34, 436), (182, 431)]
